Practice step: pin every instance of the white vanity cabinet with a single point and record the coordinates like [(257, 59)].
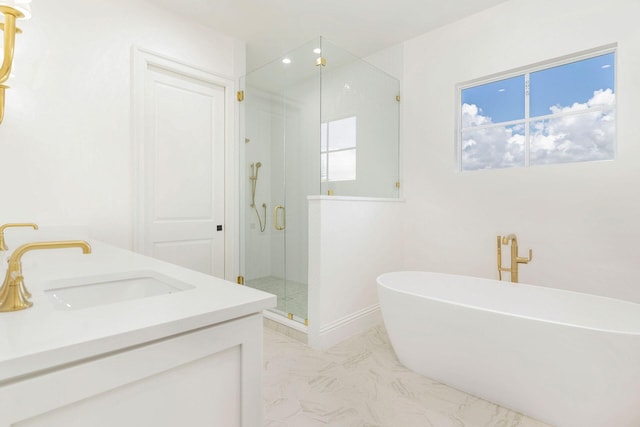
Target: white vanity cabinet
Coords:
[(193, 358), (208, 377)]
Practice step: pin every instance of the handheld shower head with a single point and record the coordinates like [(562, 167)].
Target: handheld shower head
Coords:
[(254, 183), (258, 164)]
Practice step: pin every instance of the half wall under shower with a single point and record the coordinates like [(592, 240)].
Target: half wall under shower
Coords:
[(316, 121)]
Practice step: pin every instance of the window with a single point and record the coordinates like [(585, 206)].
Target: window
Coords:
[(558, 113), (338, 150)]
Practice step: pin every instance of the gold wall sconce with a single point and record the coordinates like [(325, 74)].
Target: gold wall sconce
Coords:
[(12, 11)]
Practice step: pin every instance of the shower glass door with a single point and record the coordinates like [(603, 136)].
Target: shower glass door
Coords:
[(280, 118)]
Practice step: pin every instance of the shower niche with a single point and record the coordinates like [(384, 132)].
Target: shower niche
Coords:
[(317, 121)]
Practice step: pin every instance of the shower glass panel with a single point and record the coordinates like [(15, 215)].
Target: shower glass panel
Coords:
[(280, 118), (359, 127), (315, 121)]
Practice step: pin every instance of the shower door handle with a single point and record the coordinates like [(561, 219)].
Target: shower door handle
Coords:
[(275, 218)]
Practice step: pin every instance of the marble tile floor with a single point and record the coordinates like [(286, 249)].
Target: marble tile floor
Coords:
[(292, 296), (360, 383)]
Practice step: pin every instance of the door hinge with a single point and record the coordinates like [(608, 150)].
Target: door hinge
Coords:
[(397, 184), (240, 280), (321, 61), (240, 95), (398, 98)]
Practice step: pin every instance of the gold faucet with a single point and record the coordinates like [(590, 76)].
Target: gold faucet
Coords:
[(515, 259), (3, 245), (13, 294)]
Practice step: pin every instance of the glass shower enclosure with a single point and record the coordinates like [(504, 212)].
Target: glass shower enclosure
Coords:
[(316, 121)]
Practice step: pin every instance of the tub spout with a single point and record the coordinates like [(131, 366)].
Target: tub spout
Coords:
[(511, 239)]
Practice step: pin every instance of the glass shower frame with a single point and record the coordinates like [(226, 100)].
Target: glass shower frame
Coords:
[(286, 105)]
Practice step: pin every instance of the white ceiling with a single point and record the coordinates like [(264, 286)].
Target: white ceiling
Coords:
[(273, 27)]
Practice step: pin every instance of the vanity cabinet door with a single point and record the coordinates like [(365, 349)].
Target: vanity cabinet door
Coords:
[(210, 377)]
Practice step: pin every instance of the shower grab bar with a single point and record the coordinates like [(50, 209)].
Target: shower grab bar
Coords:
[(275, 218)]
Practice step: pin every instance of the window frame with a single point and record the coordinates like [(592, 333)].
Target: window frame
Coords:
[(526, 71)]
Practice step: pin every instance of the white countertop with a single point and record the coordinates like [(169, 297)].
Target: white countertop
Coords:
[(42, 337)]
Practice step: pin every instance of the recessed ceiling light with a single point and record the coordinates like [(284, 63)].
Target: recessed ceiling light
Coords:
[(286, 60)]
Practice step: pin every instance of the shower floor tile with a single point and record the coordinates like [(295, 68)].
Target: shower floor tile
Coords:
[(360, 382), (292, 298)]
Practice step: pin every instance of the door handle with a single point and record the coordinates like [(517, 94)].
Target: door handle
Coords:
[(275, 218)]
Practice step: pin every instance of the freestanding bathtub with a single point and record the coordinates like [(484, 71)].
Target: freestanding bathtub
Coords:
[(565, 358)]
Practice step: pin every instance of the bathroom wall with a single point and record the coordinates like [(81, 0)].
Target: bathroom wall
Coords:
[(581, 220), (65, 143), (352, 240), (389, 60)]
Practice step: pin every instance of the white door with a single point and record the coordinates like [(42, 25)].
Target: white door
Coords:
[(181, 214)]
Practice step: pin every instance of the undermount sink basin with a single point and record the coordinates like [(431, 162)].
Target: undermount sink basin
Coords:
[(83, 292)]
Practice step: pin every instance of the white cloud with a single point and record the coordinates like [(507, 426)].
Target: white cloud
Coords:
[(588, 135), (493, 147), (602, 97), (472, 116), (578, 137), (599, 98)]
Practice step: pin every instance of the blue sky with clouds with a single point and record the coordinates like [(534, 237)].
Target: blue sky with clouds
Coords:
[(570, 83), (502, 101), (563, 85), (569, 88)]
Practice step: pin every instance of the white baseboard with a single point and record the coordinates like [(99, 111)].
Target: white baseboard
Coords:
[(344, 328)]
